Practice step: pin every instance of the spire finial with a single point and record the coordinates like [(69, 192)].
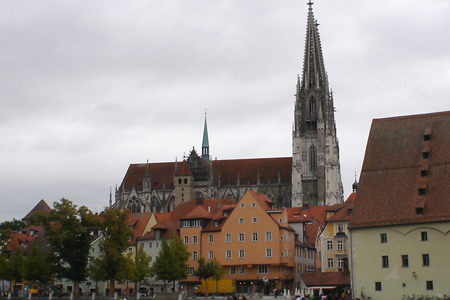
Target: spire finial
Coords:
[(310, 4)]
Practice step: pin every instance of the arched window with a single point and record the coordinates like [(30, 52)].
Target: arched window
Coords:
[(134, 205), (312, 159), (312, 107)]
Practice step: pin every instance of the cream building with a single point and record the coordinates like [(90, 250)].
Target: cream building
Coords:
[(400, 227), (335, 237)]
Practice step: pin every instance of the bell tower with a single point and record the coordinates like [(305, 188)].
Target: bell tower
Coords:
[(316, 175)]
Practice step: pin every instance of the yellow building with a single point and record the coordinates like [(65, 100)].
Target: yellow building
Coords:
[(400, 227), (334, 239)]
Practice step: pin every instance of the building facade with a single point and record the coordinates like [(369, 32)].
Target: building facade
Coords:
[(401, 218)]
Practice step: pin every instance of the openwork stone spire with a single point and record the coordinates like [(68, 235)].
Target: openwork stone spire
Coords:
[(316, 177)]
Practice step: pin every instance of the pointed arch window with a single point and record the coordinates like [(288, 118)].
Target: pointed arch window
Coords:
[(312, 159), (312, 108), (134, 205)]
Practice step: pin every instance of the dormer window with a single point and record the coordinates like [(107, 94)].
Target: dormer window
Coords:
[(350, 211), (427, 135), (422, 191), (157, 234), (216, 223), (424, 173), (426, 155), (225, 213), (419, 211)]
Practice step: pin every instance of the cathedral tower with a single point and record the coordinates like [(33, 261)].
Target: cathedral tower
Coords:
[(316, 174)]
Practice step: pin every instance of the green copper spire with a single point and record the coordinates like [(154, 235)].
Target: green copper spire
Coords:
[(205, 143)]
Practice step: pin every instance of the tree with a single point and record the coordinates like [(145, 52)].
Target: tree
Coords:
[(68, 232), (205, 270), (38, 266), (218, 273), (165, 266), (182, 256), (112, 265), (3, 270), (171, 264), (141, 267), (15, 268)]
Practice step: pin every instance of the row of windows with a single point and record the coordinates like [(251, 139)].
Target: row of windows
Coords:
[(428, 286), (304, 252), (241, 253), (405, 261), (191, 223), (150, 245), (242, 205), (340, 245), (423, 237), (263, 269), (254, 220), (330, 262), (241, 238)]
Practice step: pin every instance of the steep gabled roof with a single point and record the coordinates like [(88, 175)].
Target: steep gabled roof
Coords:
[(198, 213), (183, 169), (405, 157), (341, 210), (246, 171), (42, 206), (262, 200), (139, 221)]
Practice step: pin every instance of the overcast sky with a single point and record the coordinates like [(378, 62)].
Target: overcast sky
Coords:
[(88, 87)]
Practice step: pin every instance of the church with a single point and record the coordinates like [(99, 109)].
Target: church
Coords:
[(310, 177)]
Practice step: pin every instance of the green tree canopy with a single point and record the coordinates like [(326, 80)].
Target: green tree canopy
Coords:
[(171, 264), (141, 267), (165, 267), (113, 265), (207, 270), (15, 267), (38, 266), (68, 232)]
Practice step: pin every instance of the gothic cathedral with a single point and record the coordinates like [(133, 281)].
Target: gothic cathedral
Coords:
[(311, 176)]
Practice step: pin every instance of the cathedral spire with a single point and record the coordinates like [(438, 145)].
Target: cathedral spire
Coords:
[(314, 74), (316, 177), (205, 143)]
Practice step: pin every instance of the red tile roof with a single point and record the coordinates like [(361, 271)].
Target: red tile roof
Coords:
[(139, 221), (183, 169), (312, 213), (42, 206), (326, 279), (388, 191), (225, 172), (341, 210)]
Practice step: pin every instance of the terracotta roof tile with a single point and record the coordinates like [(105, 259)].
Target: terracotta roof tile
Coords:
[(326, 279), (388, 192), (42, 206), (139, 221), (225, 172)]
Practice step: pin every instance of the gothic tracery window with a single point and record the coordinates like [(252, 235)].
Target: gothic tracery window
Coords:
[(312, 159), (134, 205)]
